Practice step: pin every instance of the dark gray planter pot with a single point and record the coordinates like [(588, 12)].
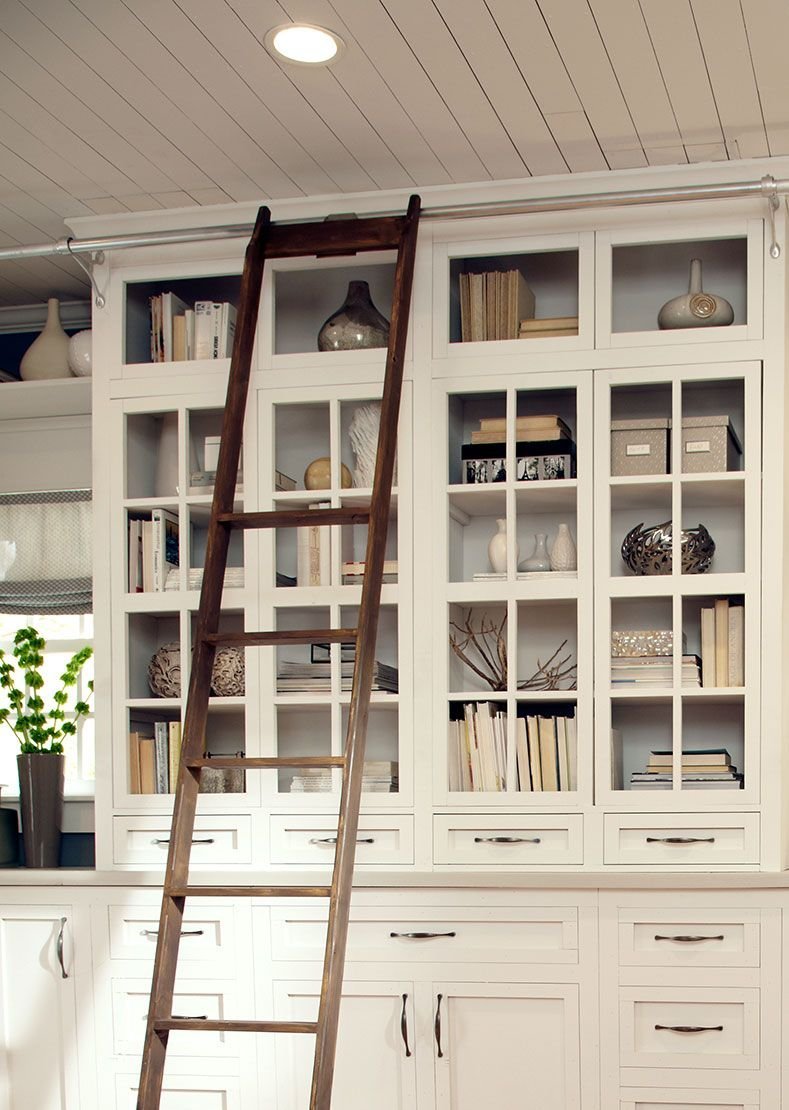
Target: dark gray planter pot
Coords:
[(41, 804)]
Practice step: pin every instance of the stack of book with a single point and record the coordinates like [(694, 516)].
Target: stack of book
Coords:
[(478, 748), (234, 578), (546, 751), (702, 769), (153, 551), (723, 644), (303, 678), (638, 671), (544, 450), (493, 304), (548, 327), (153, 758), (547, 428), (380, 777), (353, 572), (180, 332)]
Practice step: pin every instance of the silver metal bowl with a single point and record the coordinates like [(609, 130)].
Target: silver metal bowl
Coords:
[(648, 550)]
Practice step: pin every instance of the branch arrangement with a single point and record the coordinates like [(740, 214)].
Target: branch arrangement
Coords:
[(483, 649)]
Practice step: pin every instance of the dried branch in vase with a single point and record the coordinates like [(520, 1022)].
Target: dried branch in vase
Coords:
[(482, 649), (551, 675)]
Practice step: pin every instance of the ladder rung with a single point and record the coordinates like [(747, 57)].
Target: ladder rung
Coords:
[(295, 518), (190, 891), (225, 762), (205, 1025), (343, 236), (286, 636)]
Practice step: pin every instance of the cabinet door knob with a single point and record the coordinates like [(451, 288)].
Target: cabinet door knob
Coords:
[(59, 947), (688, 939), (507, 840), (404, 1026), (422, 936), (680, 840), (691, 1028)]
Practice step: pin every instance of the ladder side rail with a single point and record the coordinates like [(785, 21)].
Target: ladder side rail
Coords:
[(342, 880), (187, 788)]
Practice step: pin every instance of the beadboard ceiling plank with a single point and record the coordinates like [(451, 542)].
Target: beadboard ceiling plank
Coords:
[(191, 158), (576, 140), (213, 195), (629, 48), (672, 30), (58, 272), (106, 206), (767, 28), (488, 56), (354, 71), (238, 36), (575, 33), (707, 152), (175, 200), (443, 61), (143, 202), (723, 39), (382, 42), (29, 148), (82, 75), (23, 176)]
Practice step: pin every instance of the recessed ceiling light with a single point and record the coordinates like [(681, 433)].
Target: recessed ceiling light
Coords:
[(304, 44)]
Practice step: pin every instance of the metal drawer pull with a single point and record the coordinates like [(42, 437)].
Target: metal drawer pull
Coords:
[(422, 936), (333, 840), (437, 1023), (506, 839), (166, 840), (404, 1026), (691, 1028), (688, 940), (680, 840), (189, 1017), (63, 972), (184, 932)]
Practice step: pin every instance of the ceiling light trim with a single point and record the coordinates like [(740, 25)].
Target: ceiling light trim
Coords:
[(277, 37)]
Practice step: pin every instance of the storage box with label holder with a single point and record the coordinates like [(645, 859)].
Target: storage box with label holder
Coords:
[(709, 444), (539, 461), (640, 446)]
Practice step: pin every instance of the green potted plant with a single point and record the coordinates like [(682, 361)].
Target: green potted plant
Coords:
[(40, 732)]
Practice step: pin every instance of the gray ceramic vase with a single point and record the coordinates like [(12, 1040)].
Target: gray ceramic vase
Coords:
[(41, 803), (356, 323)]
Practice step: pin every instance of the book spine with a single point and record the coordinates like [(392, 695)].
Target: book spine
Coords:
[(532, 731), (147, 764), (134, 763), (173, 751), (548, 753), (522, 755), (721, 641), (707, 647), (736, 645), (160, 730), (204, 328), (147, 555)]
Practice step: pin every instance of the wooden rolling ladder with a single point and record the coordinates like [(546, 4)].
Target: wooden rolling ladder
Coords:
[(343, 236)]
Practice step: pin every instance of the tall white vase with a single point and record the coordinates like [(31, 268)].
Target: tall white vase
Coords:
[(47, 356), (497, 548), (563, 553)]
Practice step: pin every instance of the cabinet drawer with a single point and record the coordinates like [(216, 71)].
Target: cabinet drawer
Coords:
[(672, 841), (206, 1092), (303, 838), (689, 938), (536, 839), (207, 939), (668, 1027), (422, 934), (642, 1099), (210, 998), (217, 840)]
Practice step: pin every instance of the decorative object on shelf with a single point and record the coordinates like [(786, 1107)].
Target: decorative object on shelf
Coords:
[(318, 474), (9, 837), (539, 558), (648, 550), (227, 676), (563, 553), (80, 353), (356, 323), (47, 355), (640, 446), (709, 445), (551, 674), (535, 461), (222, 780), (497, 548), (40, 734), (647, 641), (484, 650), (695, 309), (363, 435)]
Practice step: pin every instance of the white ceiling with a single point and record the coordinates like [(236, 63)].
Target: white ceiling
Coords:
[(129, 105)]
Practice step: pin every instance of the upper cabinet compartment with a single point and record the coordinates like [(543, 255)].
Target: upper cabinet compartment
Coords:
[(180, 321), (525, 295), (668, 287)]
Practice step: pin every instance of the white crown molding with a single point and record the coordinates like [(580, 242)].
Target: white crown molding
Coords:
[(32, 317)]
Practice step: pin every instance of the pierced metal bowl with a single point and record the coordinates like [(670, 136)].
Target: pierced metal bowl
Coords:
[(647, 550)]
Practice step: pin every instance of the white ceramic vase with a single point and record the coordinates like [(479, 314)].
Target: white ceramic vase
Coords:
[(47, 356), (563, 553), (80, 353), (539, 559), (497, 548), (695, 309)]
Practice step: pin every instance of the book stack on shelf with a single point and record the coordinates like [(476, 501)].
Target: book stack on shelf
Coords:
[(353, 572), (478, 748), (652, 670), (153, 551), (493, 304), (153, 758), (723, 644), (180, 333), (313, 558), (702, 769), (306, 678), (548, 327), (547, 752), (234, 578), (544, 450), (380, 777)]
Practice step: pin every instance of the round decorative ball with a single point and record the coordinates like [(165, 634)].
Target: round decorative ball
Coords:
[(227, 676), (648, 549), (80, 353), (318, 474)]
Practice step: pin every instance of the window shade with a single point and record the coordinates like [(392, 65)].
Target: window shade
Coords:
[(46, 552)]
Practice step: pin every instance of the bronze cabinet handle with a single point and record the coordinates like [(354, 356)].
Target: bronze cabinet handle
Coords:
[(422, 936), (692, 1028), (183, 933), (506, 839), (333, 840), (437, 1024), (195, 840), (680, 840), (688, 939), (59, 948), (404, 1026)]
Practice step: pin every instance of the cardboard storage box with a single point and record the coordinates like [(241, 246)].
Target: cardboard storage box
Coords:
[(539, 461), (709, 444), (640, 446)]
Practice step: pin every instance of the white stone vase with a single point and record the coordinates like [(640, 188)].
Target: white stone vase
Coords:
[(539, 560), (563, 553), (47, 355), (695, 309), (497, 548)]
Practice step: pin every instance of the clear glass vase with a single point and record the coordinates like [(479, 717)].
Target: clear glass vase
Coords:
[(356, 323)]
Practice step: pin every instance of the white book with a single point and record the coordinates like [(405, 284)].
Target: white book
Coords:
[(533, 733), (453, 757), (736, 645), (571, 737), (486, 743), (147, 555), (465, 755), (500, 734), (708, 647), (190, 333), (548, 753), (171, 306), (475, 762), (313, 552), (522, 755), (561, 752), (204, 329), (161, 736), (135, 556), (227, 330)]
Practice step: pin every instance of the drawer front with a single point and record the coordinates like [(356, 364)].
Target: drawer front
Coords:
[(207, 945), (210, 998), (640, 1099), (668, 840), (421, 934), (217, 840), (689, 938), (696, 1028), (303, 838), (507, 841), (183, 1092)]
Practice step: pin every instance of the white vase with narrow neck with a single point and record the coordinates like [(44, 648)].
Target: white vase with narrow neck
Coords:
[(539, 560), (497, 548), (47, 356), (563, 553)]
